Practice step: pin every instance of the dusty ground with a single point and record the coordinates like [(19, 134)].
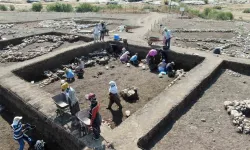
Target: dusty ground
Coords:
[(149, 85), (217, 132), (183, 36)]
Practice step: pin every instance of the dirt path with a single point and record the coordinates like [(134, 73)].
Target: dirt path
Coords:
[(138, 34)]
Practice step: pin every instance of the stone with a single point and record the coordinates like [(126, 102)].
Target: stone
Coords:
[(228, 103), (235, 113), (203, 120)]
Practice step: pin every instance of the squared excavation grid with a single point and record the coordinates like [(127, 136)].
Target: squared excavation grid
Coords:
[(149, 84), (203, 122)]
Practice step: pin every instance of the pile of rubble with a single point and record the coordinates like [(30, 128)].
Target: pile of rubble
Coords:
[(232, 73), (13, 54), (130, 94), (203, 30), (237, 110), (63, 24), (6, 26), (178, 75)]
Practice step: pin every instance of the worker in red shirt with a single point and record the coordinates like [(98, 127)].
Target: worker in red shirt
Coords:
[(94, 115)]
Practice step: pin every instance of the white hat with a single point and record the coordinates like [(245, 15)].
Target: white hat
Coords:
[(127, 112), (62, 82), (112, 83), (16, 120)]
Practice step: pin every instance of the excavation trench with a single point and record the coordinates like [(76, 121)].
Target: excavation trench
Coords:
[(50, 130), (182, 61), (165, 125)]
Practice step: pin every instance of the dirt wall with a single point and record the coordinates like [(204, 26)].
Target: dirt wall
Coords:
[(16, 41), (54, 135)]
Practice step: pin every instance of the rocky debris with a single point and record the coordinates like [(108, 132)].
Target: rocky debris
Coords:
[(51, 77), (64, 24), (237, 111), (6, 26), (178, 75), (12, 53), (203, 120), (130, 93), (232, 73), (194, 2), (203, 30)]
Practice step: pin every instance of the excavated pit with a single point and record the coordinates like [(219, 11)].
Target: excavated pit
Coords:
[(25, 48), (148, 83), (201, 121)]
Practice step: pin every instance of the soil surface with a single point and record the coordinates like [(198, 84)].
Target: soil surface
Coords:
[(149, 85), (239, 35), (216, 130)]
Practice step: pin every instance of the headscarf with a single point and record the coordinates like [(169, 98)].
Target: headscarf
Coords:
[(112, 87), (125, 55)]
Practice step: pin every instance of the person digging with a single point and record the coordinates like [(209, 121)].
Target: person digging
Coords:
[(19, 132), (79, 70), (170, 69), (94, 115), (134, 60), (69, 75), (71, 98), (113, 95)]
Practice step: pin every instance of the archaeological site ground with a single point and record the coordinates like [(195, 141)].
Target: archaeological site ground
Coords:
[(205, 106)]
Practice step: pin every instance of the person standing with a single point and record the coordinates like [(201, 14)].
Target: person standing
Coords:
[(167, 37), (94, 115), (102, 28), (71, 98), (113, 95), (96, 33), (18, 131)]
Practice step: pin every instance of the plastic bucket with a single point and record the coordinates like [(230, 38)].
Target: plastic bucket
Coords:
[(116, 37)]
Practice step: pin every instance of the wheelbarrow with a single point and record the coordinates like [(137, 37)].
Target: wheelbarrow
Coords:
[(152, 39), (85, 127), (61, 104)]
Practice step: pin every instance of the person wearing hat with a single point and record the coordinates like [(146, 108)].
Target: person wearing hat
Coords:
[(94, 115), (134, 59), (113, 95), (96, 33), (18, 130), (69, 75), (102, 28), (125, 57), (167, 37), (79, 70), (71, 98)]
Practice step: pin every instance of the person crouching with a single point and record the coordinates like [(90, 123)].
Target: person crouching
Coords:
[(125, 57), (94, 115), (134, 60), (113, 95), (69, 75)]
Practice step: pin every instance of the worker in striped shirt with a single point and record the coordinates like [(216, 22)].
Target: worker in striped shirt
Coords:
[(18, 130)]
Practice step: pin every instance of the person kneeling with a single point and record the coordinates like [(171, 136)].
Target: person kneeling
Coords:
[(134, 60), (69, 75)]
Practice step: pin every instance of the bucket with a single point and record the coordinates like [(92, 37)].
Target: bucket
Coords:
[(116, 37)]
